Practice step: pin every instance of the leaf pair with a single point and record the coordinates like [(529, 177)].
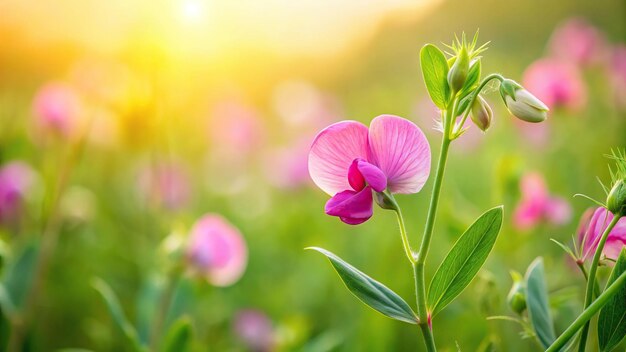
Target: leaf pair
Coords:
[(456, 272)]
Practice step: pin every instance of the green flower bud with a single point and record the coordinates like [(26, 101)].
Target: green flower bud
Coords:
[(481, 113), (616, 201), (458, 72), (521, 103), (517, 296), (385, 201)]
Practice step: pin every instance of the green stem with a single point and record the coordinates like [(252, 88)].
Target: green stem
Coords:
[(596, 286), (391, 201), (456, 134), (592, 278), (420, 261), (588, 313), (163, 308)]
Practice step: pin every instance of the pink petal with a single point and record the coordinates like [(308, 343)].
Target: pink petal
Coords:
[(558, 211), (332, 153), (361, 172), (527, 214), (400, 149), (351, 207), (533, 187)]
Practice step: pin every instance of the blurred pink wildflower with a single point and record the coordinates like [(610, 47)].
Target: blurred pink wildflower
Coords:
[(577, 41), (538, 205), (255, 329), (557, 83), (217, 250), (349, 161), (16, 179), (165, 184), (593, 223), (58, 108)]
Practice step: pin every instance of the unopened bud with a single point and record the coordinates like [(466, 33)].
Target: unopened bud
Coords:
[(521, 103), (458, 72), (481, 113), (517, 296), (616, 200)]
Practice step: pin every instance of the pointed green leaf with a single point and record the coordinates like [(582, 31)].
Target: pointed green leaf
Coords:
[(612, 320), (464, 260), (115, 309), (537, 304), (147, 304), (435, 73), (473, 77), (178, 338), (369, 291), (18, 278)]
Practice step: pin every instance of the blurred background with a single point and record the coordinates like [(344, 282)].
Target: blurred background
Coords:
[(125, 122)]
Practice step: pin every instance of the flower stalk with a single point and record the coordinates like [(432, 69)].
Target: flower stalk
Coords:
[(592, 278)]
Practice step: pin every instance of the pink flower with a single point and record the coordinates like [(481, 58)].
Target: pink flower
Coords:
[(165, 184), (16, 179), (556, 83), (537, 205), (578, 41), (217, 250), (593, 223), (255, 329), (57, 108), (349, 161)]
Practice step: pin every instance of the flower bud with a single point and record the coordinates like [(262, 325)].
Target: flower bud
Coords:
[(481, 113), (385, 201), (616, 200), (458, 72), (517, 296), (521, 103)]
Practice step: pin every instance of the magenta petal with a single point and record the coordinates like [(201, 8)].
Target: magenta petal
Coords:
[(361, 171), (352, 207), (332, 153), (527, 214), (355, 177), (400, 149)]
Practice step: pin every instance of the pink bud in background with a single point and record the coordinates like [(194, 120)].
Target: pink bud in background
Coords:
[(57, 108), (16, 179), (593, 223), (538, 205), (235, 130), (617, 74), (165, 184), (217, 250), (286, 168), (577, 41), (254, 329), (557, 83)]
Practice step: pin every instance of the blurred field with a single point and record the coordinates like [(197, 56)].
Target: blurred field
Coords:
[(229, 96)]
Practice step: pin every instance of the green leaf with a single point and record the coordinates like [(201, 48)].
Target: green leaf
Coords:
[(464, 260), (537, 304), (369, 291), (18, 278), (115, 309), (435, 72), (179, 335), (147, 303), (612, 320)]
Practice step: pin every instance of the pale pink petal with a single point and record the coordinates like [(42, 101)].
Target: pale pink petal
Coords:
[(533, 187), (332, 153), (556, 83), (217, 250), (400, 149)]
